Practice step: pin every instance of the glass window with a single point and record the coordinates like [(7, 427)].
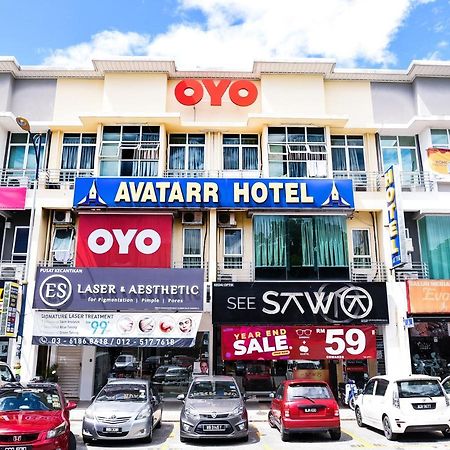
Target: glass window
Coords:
[(382, 385), (440, 138), (240, 151), (361, 248), (192, 248), (213, 389), (348, 153), (310, 390), (233, 242), (63, 246), (21, 154), (5, 374), (123, 392), (297, 152), (128, 150), (18, 398), (399, 151), (78, 153), (20, 245), (419, 388), (368, 390), (186, 152)]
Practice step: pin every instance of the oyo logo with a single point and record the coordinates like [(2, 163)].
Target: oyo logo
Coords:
[(147, 241), (55, 290), (240, 92)]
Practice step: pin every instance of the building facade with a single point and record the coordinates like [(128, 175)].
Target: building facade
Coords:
[(276, 223)]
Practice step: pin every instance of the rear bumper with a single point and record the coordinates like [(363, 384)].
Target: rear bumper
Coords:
[(298, 425), (423, 428)]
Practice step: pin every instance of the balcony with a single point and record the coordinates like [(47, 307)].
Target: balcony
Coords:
[(362, 181), (192, 263), (234, 271), (12, 271), (17, 177), (368, 272), (412, 271), (417, 181), (63, 178)]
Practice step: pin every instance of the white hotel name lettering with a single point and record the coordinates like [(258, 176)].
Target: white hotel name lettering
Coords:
[(170, 192)]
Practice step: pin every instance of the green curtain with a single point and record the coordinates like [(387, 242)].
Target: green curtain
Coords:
[(330, 235), (270, 241), (434, 232)]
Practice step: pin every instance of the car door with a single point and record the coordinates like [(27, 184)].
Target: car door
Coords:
[(446, 385), (366, 402), (277, 403), (379, 402), (156, 403)]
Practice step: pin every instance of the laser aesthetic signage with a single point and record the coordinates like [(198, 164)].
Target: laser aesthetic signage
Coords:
[(294, 193)]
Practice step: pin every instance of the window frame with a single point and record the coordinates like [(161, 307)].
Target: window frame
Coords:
[(187, 146), (354, 255), (192, 256), (70, 250), (79, 146), (347, 148), (13, 253), (399, 149), (241, 147), (447, 145), (381, 381), (29, 149)]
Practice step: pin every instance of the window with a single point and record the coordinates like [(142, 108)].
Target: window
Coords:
[(297, 152), (62, 246), (368, 390), (382, 385), (192, 257), (399, 151), (233, 248), (78, 151), (361, 248), (440, 138), (21, 155), (186, 152), (300, 247), (240, 151), (131, 150), (279, 393), (419, 388), (348, 153), (20, 245)]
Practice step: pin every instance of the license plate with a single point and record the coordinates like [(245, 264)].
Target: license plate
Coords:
[(112, 430), (424, 406), (310, 410), (15, 447), (211, 427)]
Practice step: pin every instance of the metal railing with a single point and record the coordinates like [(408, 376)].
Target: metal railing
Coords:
[(12, 270), (17, 177), (417, 181), (64, 178), (51, 262), (362, 181), (368, 272), (192, 264), (412, 271), (235, 271)]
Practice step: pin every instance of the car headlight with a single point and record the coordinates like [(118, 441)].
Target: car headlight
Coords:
[(60, 429), (238, 411), (89, 414), (144, 414), (190, 412)]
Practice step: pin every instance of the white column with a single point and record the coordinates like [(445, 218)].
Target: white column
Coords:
[(87, 372)]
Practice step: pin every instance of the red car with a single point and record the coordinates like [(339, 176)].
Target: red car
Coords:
[(304, 406), (34, 416)]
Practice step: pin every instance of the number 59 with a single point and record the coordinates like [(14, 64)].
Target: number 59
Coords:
[(354, 341)]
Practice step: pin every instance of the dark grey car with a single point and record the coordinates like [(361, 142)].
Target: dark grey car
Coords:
[(213, 408)]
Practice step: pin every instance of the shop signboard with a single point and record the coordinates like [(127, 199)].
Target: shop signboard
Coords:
[(10, 301), (293, 193), (291, 342), (439, 160), (114, 329), (113, 289), (12, 197), (428, 296), (124, 240), (299, 303)]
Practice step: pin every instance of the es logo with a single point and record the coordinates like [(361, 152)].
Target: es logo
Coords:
[(147, 241), (55, 290)]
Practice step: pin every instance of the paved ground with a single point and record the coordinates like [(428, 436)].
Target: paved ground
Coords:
[(265, 438)]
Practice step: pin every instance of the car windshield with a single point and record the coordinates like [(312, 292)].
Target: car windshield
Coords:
[(419, 388), (6, 374), (257, 370), (29, 399), (309, 390), (123, 393), (213, 389), (123, 358), (160, 370)]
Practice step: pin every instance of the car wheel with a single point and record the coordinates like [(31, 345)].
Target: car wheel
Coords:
[(87, 440), (270, 419), (243, 439), (335, 434), (72, 442), (358, 416), (183, 439), (390, 435), (284, 433), (158, 424), (149, 438)]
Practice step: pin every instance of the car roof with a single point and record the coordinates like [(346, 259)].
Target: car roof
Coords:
[(31, 385), (213, 378), (395, 378), (128, 381)]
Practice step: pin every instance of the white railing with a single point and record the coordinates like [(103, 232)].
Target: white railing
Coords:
[(64, 178), (362, 181), (235, 271), (191, 264), (17, 177), (412, 271), (369, 272), (417, 181)]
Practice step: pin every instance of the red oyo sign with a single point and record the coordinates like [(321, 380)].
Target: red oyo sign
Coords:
[(241, 92), (119, 240), (303, 342)]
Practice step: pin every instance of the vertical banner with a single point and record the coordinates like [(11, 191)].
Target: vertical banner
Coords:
[(10, 301), (124, 240)]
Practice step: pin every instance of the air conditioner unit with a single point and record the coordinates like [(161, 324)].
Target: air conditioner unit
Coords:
[(226, 219), (13, 272), (192, 218), (62, 217)]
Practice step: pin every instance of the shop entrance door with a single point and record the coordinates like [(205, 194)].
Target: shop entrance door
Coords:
[(69, 370)]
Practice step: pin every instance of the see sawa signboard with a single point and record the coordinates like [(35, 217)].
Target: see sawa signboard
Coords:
[(213, 193)]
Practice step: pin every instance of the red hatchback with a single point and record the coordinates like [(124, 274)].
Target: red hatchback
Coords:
[(304, 406), (35, 416)]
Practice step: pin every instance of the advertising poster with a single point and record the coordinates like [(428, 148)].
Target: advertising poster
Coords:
[(303, 342), (12, 197), (10, 300), (439, 160), (428, 296), (115, 329), (124, 240)]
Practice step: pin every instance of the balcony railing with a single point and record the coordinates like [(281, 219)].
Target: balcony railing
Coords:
[(64, 178), (412, 271), (362, 181), (368, 272), (192, 264), (12, 270), (417, 181), (235, 271), (17, 177)]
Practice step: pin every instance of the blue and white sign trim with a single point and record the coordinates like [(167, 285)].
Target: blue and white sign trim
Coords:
[(303, 193)]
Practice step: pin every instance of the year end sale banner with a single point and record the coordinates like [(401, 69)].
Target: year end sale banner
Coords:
[(272, 342)]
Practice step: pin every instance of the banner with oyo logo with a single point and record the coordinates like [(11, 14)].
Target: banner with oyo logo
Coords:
[(305, 342), (124, 240)]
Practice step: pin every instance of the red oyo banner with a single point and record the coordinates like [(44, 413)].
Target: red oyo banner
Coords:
[(305, 342), (119, 240)]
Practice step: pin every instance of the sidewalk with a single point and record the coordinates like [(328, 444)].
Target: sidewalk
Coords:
[(257, 411)]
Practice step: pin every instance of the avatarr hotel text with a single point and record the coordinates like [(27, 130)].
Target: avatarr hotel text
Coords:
[(164, 191)]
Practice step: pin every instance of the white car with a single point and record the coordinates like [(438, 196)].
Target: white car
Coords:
[(404, 404)]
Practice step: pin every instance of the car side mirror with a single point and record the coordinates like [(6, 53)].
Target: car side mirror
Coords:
[(71, 405), (181, 397), (272, 395)]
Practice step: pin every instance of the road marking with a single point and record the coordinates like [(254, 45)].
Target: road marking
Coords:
[(361, 441)]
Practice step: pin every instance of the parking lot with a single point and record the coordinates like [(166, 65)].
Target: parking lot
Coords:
[(263, 437)]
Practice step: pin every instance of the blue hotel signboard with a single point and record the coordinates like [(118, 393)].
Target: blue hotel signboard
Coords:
[(292, 193)]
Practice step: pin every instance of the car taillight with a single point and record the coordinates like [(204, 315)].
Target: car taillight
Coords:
[(447, 400), (286, 412), (336, 412), (395, 400)]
